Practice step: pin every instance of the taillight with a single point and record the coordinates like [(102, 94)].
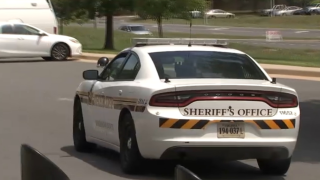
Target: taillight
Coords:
[(184, 98), (283, 100), (55, 30)]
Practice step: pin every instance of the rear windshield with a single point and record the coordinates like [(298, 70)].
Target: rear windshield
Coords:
[(205, 64)]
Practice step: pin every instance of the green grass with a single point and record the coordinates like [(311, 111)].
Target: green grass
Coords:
[(294, 22), (93, 39)]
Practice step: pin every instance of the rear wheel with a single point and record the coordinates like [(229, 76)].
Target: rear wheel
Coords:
[(130, 157), (274, 166), (60, 52), (79, 134)]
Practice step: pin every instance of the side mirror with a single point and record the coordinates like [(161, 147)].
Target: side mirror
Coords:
[(42, 34), (182, 173), (35, 165), (90, 74), (102, 62)]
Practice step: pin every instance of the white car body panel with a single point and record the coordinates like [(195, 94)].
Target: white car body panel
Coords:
[(37, 13), (34, 45), (154, 125), (218, 13)]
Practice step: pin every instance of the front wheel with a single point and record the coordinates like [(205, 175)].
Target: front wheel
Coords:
[(130, 157), (60, 52), (274, 166), (79, 134)]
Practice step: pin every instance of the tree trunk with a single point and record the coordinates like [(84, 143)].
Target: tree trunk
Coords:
[(108, 43), (159, 23), (60, 26)]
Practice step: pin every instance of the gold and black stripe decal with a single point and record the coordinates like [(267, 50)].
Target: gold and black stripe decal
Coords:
[(111, 102), (201, 124), (183, 123)]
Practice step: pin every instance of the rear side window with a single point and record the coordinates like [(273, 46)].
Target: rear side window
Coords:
[(205, 64), (6, 29)]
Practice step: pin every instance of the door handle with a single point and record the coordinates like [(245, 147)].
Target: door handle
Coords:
[(120, 92), (20, 39)]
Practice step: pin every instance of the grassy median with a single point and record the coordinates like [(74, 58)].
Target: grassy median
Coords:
[(93, 39), (294, 22)]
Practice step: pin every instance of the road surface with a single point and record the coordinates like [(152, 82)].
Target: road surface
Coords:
[(237, 31), (36, 108), (234, 31)]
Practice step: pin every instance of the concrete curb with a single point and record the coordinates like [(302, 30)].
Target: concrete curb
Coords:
[(270, 68)]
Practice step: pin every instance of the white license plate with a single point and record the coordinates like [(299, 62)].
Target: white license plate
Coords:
[(231, 130)]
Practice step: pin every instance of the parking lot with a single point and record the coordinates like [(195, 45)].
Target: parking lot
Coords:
[(37, 109)]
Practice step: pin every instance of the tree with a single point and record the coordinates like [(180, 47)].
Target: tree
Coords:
[(107, 8), (68, 11), (165, 9)]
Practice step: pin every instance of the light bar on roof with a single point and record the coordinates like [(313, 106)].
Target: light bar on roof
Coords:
[(179, 41)]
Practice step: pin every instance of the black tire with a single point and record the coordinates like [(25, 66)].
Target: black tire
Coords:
[(130, 157), (79, 134), (47, 58), (274, 167), (60, 52)]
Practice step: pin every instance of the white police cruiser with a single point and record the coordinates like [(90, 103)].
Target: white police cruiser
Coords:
[(189, 99)]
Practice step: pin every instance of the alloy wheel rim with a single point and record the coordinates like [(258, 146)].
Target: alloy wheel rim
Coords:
[(59, 52)]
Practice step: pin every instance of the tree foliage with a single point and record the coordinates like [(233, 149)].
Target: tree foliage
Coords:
[(69, 11), (165, 9), (106, 8)]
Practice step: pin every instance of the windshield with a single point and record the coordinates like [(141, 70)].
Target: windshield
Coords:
[(205, 64), (137, 28)]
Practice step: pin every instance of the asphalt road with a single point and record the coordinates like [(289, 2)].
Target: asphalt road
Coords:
[(36, 108), (280, 44), (237, 31), (234, 31)]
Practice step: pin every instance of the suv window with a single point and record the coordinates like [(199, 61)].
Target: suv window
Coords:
[(114, 67), (6, 29), (130, 69), (205, 64), (25, 30)]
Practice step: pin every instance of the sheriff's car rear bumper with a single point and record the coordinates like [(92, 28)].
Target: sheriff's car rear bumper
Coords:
[(263, 139)]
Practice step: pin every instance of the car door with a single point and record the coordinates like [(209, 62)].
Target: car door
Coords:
[(102, 96), (124, 95), (8, 42), (31, 43), (223, 14)]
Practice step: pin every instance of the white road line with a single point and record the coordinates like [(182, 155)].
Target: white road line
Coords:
[(218, 33), (218, 29), (65, 99), (298, 32), (86, 61)]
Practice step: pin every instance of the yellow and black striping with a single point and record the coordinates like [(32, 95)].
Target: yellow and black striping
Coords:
[(201, 124), (111, 102)]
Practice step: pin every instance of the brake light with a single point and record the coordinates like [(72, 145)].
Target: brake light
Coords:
[(184, 98), (55, 30)]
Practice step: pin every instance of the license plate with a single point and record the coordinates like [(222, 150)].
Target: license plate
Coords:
[(231, 130)]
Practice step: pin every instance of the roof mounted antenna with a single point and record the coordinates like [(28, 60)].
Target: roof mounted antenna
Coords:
[(189, 45)]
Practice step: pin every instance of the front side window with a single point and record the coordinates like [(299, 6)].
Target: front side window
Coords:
[(25, 30), (6, 29), (130, 69), (205, 64), (112, 70)]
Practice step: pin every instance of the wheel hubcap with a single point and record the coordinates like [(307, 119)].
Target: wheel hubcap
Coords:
[(59, 52)]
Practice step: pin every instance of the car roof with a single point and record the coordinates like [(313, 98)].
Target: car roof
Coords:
[(2, 23), (164, 48)]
